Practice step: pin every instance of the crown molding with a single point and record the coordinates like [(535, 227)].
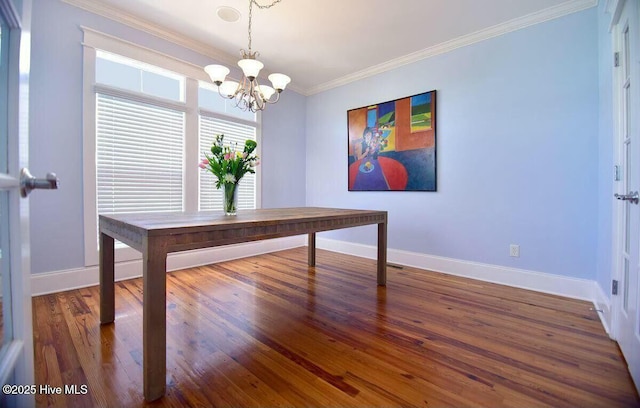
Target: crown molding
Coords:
[(146, 26), (541, 16), (162, 32)]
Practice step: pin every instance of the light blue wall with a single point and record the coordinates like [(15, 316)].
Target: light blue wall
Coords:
[(517, 151), (283, 152), (605, 150), (57, 238), (521, 151)]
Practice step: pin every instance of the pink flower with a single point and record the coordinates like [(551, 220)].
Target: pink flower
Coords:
[(227, 156), (203, 166)]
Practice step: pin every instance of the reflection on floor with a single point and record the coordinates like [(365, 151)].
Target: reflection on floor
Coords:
[(271, 331)]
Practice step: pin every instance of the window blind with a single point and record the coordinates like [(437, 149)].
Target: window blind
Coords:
[(210, 196), (139, 156)]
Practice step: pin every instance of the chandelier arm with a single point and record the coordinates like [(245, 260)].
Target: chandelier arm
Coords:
[(259, 100), (239, 88), (241, 95), (243, 85), (241, 104), (271, 100), (256, 98), (251, 95), (225, 96)]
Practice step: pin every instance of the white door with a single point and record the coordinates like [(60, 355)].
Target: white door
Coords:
[(627, 83), (16, 342)]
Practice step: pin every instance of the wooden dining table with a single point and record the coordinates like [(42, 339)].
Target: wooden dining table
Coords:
[(157, 234)]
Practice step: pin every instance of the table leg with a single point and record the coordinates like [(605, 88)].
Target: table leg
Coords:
[(382, 253), (312, 249), (154, 318), (107, 285)]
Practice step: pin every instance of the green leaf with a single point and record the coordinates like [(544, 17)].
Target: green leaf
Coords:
[(250, 146)]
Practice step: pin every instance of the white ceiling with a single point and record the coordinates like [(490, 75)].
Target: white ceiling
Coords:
[(324, 43)]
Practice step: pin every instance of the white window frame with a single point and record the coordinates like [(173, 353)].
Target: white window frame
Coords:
[(94, 40), (258, 127)]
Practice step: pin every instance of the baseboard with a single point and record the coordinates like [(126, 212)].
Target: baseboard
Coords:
[(602, 305), (576, 288), (59, 281)]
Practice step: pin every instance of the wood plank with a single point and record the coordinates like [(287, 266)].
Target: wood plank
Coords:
[(270, 331)]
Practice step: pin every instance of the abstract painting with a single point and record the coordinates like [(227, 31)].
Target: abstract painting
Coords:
[(392, 145)]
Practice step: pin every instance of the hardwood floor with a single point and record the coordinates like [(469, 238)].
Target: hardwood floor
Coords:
[(270, 331)]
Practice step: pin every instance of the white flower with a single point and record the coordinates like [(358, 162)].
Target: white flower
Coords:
[(229, 178)]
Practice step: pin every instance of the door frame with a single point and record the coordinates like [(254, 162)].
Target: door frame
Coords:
[(615, 9)]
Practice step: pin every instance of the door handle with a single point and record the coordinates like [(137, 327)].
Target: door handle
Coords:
[(29, 183), (632, 197)]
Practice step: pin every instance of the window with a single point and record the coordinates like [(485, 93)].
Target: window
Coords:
[(139, 156), (210, 197), (125, 73), (234, 132), (148, 120)]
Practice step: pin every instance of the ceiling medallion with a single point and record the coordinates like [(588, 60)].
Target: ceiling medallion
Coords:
[(228, 14)]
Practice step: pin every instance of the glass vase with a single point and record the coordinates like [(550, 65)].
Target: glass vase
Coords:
[(230, 199)]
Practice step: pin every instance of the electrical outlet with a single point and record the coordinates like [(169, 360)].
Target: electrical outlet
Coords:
[(514, 250)]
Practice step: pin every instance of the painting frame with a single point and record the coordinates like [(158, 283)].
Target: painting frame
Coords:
[(391, 146)]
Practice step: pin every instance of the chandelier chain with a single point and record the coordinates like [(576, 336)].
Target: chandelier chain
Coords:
[(260, 6)]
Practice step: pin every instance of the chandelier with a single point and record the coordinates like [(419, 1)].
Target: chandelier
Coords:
[(249, 94)]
